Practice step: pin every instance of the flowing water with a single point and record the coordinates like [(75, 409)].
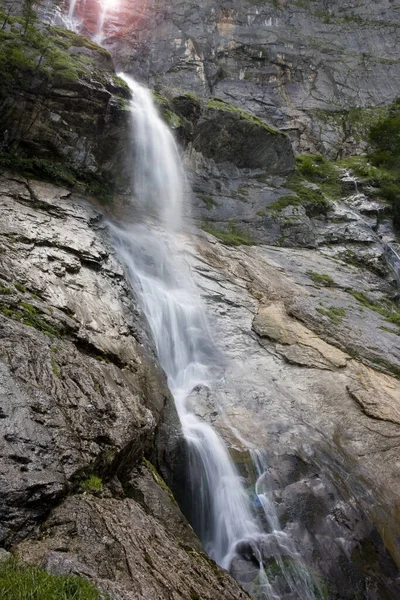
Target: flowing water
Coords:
[(152, 252)]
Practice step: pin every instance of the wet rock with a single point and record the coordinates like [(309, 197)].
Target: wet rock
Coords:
[(126, 552), (81, 391)]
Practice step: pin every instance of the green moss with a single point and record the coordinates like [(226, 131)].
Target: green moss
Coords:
[(232, 237), (242, 191), (159, 99), (173, 120), (208, 201), (23, 582), (38, 167), (21, 288), (313, 200), (219, 104), (81, 41), (5, 290), (29, 315), (92, 485), (321, 279), (386, 308), (54, 368), (334, 313), (158, 479), (261, 213)]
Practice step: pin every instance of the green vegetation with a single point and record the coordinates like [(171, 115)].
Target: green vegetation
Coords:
[(208, 201), (54, 368), (384, 138), (232, 237), (29, 315), (335, 313), (21, 288), (315, 182), (313, 200), (5, 290), (381, 168), (41, 168), (28, 47), (23, 582), (321, 279), (92, 485), (219, 104), (158, 479), (386, 308)]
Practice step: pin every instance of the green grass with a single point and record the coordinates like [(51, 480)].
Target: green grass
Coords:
[(334, 313), (321, 279), (93, 484), (314, 201), (231, 237), (23, 582), (21, 288), (54, 368), (386, 308), (209, 201), (29, 315), (4, 290), (315, 182)]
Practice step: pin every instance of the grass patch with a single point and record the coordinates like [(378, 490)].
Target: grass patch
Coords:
[(315, 182), (23, 582), (334, 313), (4, 290), (29, 315), (21, 288), (387, 309), (209, 201), (321, 279), (317, 169), (232, 237), (92, 485), (54, 368), (219, 104), (313, 200)]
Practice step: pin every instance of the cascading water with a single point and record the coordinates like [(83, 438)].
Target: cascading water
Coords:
[(152, 253), (178, 323), (153, 257)]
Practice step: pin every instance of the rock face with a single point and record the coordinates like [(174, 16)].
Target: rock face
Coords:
[(64, 112), (328, 422), (299, 65), (82, 400)]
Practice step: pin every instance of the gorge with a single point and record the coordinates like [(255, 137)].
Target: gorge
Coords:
[(264, 304)]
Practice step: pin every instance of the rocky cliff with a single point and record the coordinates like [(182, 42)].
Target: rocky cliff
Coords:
[(298, 267)]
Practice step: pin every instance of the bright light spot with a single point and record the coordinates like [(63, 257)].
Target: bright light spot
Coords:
[(109, 4)]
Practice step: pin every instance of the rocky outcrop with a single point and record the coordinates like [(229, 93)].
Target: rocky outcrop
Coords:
[(297, 384), (317, 69), (82, 401), (64, 112)]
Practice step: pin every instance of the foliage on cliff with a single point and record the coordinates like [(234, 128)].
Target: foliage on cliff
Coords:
[(23, 582), (385, 155)]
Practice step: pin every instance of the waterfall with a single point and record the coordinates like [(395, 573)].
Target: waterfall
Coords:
[(152, 250), (178, 323)]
